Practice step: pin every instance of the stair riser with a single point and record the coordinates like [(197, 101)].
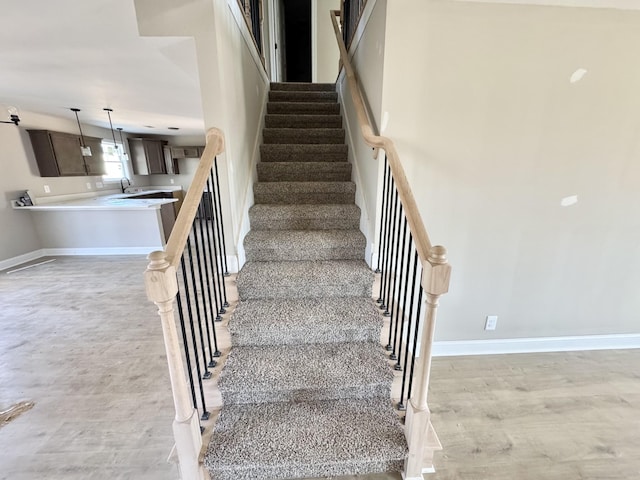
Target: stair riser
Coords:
[(303, 121), (309, 172), (329, 470), (268, 222), (248, 292), (292, 253), (303, 153), (306, 87), (307, 395), (275, 198), (298, 136), (301, 337), (307, 108), (317, 96)]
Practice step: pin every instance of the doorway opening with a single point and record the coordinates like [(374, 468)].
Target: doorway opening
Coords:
[(296, 40)]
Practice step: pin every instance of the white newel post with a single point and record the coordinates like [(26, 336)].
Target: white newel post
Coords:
[(435, 281), (162, 286)]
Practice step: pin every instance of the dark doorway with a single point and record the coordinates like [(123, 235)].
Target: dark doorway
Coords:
[(297, 40)]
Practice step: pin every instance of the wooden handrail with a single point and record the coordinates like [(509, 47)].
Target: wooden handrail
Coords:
[(420, 236), (182, 227)]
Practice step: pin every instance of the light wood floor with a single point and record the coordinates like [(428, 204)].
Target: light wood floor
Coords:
[(88, 350)]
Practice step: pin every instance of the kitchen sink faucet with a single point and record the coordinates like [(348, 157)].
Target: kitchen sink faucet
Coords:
[(122, 180)]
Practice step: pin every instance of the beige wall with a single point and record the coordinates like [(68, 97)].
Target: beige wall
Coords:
[(325, 49), (368, 61), (493, 136)]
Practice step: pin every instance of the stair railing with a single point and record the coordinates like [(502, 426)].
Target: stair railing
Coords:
[(413, 276), (190, 274)]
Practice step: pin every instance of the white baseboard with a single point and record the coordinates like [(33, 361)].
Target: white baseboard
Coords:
[(100, 251), (535, 345), (20, 259)]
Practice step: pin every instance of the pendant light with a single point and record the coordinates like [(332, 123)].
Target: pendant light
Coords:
[(13, 116), (84, 149)]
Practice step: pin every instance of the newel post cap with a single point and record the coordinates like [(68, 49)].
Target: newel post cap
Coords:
[(160, 279), (436, 271)]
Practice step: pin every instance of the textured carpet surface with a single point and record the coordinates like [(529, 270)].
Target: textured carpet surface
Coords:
[(305, 320), (326, 278), (306, 385), (298, 440), (303, 152), (296, 373), (304, 217), (293, 245)]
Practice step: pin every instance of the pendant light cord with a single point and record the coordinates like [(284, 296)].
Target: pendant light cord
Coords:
[(76, 110), (113, 134)]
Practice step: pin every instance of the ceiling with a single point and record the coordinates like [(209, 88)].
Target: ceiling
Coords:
[(88, 54)]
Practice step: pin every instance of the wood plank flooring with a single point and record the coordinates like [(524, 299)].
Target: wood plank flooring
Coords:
[(87, 348)]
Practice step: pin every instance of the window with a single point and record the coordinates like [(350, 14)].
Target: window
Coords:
[(113, 160)]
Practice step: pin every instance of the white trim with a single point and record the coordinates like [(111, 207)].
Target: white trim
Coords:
[(314, 41), (20, 259), (80, 251), (536, 345)]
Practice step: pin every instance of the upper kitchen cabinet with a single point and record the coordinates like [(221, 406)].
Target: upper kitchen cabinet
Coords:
[(186, 152), (147, 156), (59, 154)]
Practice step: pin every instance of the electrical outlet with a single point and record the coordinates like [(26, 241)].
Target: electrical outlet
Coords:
[(172, 181), (491, 322), (99, 185), (88, 185), (47, 189)]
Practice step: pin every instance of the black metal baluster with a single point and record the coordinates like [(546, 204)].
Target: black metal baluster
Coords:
[(402, 406), (205, 413), (219, 206), (387, 232), (415, 343), (222, 249), (187, 353), (399, 319), (209, 263), (394, 247), (391, 271), (217, 249), (206, 292), (383, 215), (207, 373), (397, 366)]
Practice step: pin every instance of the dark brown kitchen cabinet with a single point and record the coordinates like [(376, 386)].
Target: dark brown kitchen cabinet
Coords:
[(147, 156), (58, 154)]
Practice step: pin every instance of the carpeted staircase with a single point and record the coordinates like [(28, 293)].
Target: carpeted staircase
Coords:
[(306, 387)]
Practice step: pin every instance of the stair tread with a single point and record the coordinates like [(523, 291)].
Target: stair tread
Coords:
[(304, 238), (327, 152), (307, 439), (305, 320), (302, 86), (302, 107), (305, 278), (294, 245), (308, 372), (325, 187), (277, 217), (322, 96), (303, 171)]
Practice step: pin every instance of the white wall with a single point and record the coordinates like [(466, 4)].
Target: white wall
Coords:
[(234, 86), (493, 136), (325, 53)]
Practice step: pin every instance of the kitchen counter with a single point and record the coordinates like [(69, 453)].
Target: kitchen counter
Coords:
[(107, 224)]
